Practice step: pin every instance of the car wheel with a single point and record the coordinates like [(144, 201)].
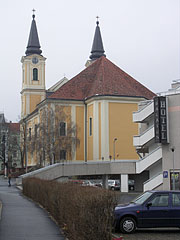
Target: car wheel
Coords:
[(112, 188), (127, 225)]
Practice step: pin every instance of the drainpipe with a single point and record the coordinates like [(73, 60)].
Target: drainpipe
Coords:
[(85, 142)]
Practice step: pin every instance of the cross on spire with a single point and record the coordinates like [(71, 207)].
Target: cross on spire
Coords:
[(33, 46), (33, 13), (97, 47), (97, 20)]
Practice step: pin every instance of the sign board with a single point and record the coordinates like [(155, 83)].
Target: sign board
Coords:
[(165, 174), (160, 120)]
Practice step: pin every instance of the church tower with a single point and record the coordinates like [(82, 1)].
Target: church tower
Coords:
[(33, 73)]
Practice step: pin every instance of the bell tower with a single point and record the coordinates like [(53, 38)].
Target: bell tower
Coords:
[(33, 73)]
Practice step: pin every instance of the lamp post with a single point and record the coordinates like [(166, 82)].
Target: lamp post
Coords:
[(114, 141), (173, 183)]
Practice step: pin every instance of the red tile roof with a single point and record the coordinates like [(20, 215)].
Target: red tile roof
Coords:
[(101, 78), (14, 127)]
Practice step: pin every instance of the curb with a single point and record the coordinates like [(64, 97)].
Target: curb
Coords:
[(0, 209)]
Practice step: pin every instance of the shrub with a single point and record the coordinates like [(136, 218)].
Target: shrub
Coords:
[(82, 212)]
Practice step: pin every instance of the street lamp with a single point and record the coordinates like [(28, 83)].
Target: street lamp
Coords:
[(114, 141), (173, 185)]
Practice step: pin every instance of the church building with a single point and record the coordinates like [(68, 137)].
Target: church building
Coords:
[(94, 109)]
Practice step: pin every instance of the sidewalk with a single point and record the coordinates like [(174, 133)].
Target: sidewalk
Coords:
[(22, 219)]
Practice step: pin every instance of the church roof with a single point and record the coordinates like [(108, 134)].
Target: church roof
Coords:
[(97, 47), (101, 78), (33, 46), (15, 127)]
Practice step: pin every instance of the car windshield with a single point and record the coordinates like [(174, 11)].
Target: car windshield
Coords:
[(142, 198)]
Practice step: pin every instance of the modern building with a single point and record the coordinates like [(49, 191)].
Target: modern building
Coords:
[(158, 142)]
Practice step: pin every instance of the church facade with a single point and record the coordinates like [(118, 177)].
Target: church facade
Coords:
[(88, 118)]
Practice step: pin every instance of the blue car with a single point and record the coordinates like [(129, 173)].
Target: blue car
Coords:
[(152, 209)]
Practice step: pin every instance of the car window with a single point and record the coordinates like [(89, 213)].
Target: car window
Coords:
[(110, 182), (176, 199), (142, 198), (160, 200)]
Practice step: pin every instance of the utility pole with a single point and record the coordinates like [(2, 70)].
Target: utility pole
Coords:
[(173, 183)]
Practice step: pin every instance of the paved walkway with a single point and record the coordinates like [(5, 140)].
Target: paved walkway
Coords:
[(22, 219)]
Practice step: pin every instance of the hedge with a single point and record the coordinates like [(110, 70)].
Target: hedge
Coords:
[(84, 213)]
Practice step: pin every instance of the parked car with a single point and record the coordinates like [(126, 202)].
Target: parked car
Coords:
[(87, 183), (97, 183), (150, 210), (114, 184)]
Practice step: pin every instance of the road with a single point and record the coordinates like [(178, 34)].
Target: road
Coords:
[(152, 234)]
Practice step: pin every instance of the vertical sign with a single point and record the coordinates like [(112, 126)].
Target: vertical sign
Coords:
[(156, 120), (163, 119), (160, 120)]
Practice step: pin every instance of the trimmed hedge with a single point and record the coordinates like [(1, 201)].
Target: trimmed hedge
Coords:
[(82, 212)]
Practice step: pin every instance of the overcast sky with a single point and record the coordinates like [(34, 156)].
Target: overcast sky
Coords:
[(142, 37)]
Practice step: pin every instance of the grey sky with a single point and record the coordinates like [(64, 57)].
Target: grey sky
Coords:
[(142, 37)]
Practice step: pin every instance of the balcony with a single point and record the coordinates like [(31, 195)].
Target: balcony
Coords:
[(153, 182), (150, 159), (144, 113), (145, 137)]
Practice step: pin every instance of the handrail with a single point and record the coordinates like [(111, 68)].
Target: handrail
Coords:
[(150, 153), (145, 131), (158, 174), (148, 101)]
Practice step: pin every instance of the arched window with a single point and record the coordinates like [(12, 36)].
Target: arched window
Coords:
[(63, 154), (35, 74)]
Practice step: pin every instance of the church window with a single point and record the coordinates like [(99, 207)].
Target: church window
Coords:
[(62, 154), (62, 130), (90, 126), (35, 74), (29, 134), (36, 127)]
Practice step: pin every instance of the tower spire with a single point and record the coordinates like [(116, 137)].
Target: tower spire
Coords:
[(97, 47), (33, 46)]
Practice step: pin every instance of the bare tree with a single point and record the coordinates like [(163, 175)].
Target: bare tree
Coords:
[(55, 137), (3, 142), (23, 143)]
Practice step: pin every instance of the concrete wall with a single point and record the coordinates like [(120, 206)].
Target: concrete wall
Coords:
[(174, 139), (78, 169)]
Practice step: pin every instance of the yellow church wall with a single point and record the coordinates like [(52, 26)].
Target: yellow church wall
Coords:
[(80, 132), (99, 130), (34, 100), (121, 126), (32, 156), (90, 138), (35, 122), (63, 113)]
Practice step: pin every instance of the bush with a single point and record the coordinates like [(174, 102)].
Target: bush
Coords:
[(82, 212)]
